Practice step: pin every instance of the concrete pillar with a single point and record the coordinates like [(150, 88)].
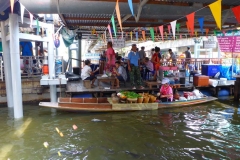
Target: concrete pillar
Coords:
[(80, 55), (15, 65), (51, 62), (196, 47), (7, 66)]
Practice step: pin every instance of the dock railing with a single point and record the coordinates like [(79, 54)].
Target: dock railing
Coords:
[(198, 62)]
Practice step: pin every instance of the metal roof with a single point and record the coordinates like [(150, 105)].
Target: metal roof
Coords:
[(87, 15)]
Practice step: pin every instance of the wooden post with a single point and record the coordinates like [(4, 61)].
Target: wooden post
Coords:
[(236, 89)]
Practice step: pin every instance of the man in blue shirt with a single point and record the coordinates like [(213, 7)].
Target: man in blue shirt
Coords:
[(26, 48), (134, 68)]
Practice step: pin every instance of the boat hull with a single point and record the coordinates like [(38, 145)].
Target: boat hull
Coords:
[(178, 104), (78, 105)]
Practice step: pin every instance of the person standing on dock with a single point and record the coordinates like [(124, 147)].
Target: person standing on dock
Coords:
[(133, 67), (142, 54), (187, 56), (110, 56)]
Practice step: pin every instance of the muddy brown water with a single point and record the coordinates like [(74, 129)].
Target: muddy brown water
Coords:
[(208, 131)]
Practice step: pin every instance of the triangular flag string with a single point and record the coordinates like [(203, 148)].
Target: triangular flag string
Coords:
[(136, 34), (12, 5), (216, 9), (31, 19), (178, 27), (22, 11), (169, 29), (118, 15), (131, 35), (207, 30), (152, 33), (110, 32), (114, 27), (190, 18), (131, 6), (236, 12), (161, 32), (144, 35), (201, 22), (173, 25)]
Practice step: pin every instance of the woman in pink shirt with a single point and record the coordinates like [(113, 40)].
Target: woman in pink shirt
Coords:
[(110, 56), (166, 92)]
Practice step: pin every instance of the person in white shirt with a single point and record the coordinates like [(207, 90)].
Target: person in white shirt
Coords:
[(87, 73)]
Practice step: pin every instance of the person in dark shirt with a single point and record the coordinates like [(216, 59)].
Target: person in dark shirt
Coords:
[(187, 56)]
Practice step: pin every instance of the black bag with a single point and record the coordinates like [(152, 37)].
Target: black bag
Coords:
[(72, 77)]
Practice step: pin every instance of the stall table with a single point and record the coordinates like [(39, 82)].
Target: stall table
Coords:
[(106, 79)]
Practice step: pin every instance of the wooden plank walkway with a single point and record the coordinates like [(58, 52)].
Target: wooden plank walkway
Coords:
[(77, 87)]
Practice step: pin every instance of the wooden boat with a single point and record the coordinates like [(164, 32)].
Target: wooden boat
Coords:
[(97, 105), (176, 104), (105, 104)]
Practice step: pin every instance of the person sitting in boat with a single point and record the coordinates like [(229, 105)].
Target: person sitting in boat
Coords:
[(87, 73), (166, 92), (120, 72)]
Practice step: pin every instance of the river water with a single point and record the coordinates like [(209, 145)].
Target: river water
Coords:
[(209, 131)]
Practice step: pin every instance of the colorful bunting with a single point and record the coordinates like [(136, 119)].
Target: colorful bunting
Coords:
[(236, 12), (173, 25), (207, 30), (215, 32), (178, 27), (31, 19), (114, 27), (201, 22), (131, 6), (161, 32), (156, 30), (152, 33), (216, 9), (118, 15), (196, 34), (110, 32), (136, 34), (131, 35), (169, 29), (22, 11), (144, 35), (12, 5), (190, 18)]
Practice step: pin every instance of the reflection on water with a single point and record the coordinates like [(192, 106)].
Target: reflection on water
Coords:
[(199, 132)]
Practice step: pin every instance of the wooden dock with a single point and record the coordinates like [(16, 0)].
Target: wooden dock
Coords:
[(76, 87)]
